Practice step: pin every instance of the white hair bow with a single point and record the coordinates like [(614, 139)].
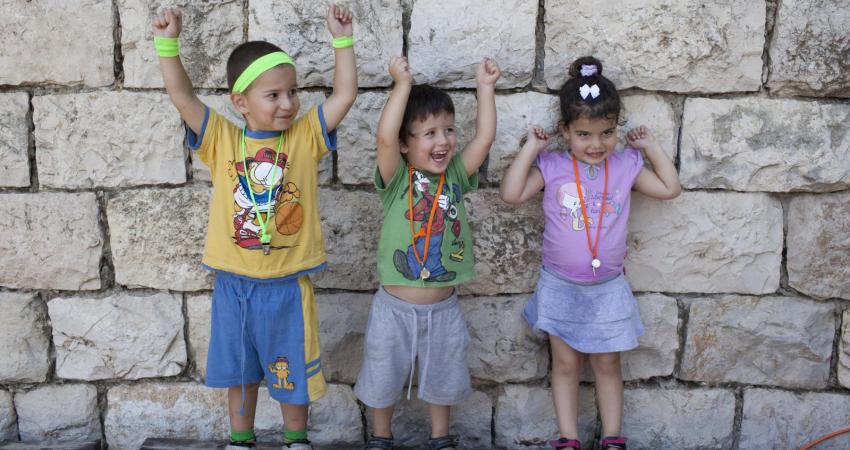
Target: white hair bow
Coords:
[(586, 90)]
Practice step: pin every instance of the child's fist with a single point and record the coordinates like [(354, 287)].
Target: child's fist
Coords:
[(400, 70), (537, 137), (339, 20), (168, 23), (488, 72), (641, 138)]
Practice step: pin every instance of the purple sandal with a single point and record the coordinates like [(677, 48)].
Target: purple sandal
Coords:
[(613, 441), (565, 443)]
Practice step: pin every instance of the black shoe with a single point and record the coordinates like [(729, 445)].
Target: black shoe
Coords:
[(400, 262)]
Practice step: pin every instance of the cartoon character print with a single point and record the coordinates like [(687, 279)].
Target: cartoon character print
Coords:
[(275, 202), (570, 204), (280, 369), (447, 211)]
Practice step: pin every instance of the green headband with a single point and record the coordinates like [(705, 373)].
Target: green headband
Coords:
[(258, 67)]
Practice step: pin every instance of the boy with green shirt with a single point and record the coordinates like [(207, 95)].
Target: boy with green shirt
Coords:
[(424, 251)]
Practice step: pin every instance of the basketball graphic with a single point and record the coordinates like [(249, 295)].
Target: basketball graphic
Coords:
[(288, 218)]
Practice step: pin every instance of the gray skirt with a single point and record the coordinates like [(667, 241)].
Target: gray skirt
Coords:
[(595, 318)]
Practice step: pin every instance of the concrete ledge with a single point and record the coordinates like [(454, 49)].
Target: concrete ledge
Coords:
[(51, 445)]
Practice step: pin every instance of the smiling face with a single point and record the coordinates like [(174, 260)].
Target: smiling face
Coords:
[(591, 140), (271, 102), (430, 143)]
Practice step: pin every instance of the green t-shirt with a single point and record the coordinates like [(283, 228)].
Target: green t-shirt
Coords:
[(449, 260)]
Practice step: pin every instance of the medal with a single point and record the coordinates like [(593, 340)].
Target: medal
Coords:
[(595, 263), (424, 273)]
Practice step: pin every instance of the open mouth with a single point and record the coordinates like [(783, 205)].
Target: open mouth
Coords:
[(440, 156)]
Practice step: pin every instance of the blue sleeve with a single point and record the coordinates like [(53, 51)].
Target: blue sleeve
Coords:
[(194, 140), (330, 137)]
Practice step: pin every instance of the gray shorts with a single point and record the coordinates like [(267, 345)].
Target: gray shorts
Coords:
[(401, 333)]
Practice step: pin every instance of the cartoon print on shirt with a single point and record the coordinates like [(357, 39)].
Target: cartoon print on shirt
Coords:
[(447, 211), (570, 204), (262, 175)]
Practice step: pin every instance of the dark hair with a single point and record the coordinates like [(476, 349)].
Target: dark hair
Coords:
[(573, 106), (242, 56), (424, 101)]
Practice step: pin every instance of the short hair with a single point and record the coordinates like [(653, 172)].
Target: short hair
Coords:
[(605, 106), (424, 101), (243, 55)]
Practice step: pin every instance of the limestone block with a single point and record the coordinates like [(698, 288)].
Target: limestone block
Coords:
[(780, 341), (808, 52), (126, 336), (39, 225), (351, 223), (525, 417), (68, 412), (8, 418), (342, 329), (503, 347), (211, 30), (470, 419), (678, 46), (23, 339), (656, 353), (844, 351), (222, 104), (506, 241), (705, 242), (818, 246), (198, 310), (679, 418), (14, 160), (335, 419), (38, 48), (76, 148), (764, 144), (782, 419), (655, 113), (514, 114), (472, 30), (358, 134), (162, 251), (299, 28), (176, 410)]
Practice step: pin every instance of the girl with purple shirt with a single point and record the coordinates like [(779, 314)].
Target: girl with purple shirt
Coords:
[(582, 300)]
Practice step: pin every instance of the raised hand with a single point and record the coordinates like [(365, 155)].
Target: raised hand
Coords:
[(537, 138), (400, 70), (168, 23), (488, 72), (340, 20), (641, 138)]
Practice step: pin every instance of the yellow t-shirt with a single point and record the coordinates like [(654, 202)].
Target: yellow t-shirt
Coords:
[(290, 206)]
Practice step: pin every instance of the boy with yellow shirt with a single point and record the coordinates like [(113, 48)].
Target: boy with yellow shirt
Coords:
[(263, 234)]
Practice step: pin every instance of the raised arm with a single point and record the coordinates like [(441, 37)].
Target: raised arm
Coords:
[(345, 69), (663, 181), (476, 150), (522, 181), (168, 24), (390, 122)]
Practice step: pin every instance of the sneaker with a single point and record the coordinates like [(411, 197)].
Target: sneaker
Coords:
[(240, 446), (304, 445)]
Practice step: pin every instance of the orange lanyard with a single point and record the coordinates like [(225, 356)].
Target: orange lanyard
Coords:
[(427, 232), (595, 263)]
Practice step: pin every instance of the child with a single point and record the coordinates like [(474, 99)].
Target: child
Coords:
[(425, 249), (263, 231), (582, 300)]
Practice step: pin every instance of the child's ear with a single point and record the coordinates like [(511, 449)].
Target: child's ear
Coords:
[(402, 147), (239, 102)]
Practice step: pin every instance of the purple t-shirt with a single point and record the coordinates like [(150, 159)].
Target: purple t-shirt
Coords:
[(565, 246)]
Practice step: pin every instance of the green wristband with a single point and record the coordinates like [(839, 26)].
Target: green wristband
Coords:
[(343, 42), (166, 47)]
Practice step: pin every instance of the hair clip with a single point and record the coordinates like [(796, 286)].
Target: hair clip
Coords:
[(586, 90), (588, 70)]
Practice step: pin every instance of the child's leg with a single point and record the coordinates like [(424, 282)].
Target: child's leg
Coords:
[(382, 422), (294, 422), (439, 419), (609, 390), (566, 368), (238, 422)]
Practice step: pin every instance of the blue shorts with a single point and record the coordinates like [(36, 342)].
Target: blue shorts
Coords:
[(266, 329)]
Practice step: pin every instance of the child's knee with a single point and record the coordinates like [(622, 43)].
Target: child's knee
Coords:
[(606, 363)]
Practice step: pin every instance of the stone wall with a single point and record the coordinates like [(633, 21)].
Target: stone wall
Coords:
[(743, 282)]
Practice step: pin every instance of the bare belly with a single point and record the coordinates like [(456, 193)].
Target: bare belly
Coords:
[(420, 295)]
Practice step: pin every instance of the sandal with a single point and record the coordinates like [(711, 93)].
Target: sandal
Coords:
[(379, 443), (613, 441), (443, 442), (565, 443)]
